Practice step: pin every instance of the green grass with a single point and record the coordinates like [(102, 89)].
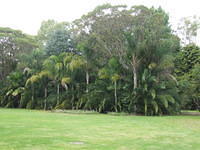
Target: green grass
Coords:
[(39, 130), (189, 111)]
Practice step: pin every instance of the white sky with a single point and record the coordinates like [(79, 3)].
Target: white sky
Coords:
[(27, 15)]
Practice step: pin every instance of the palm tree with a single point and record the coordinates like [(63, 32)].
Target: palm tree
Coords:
[(65, 81), (155, 93), (44, 79), (111, 72), (54, 65), (77, 62), (30, 83), (87, 54), (114, 79)]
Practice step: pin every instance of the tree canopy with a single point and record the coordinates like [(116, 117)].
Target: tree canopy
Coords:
[(115, 58), (12, 44)]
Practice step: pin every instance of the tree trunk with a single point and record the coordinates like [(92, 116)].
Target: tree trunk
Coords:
[(145, 107), (87, 81), (58, 93), (116, 96), (134, 77), (134, 64), (72, 97), (66, 87), (32, 96), (45, 95)]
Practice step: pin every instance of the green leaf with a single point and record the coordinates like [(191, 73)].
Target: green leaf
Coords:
[(65, 80), (18, 91), (103, 73), (153, 93), (59, 66), (155, 105), (146, 87), (115, 77), (9, 92), (162, 86), (153, 79), (170, 99), (164, 100)]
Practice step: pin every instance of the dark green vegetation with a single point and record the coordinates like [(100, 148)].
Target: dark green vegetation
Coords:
[(26, 129), (112, 59), (188, 74), (13, 42)]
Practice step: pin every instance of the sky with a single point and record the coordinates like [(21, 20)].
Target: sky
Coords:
[(27, 15)]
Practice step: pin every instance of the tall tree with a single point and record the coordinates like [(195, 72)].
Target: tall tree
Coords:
[(187, 72), (188, 29), (12, 44), (45, 29), (59, 41), (54, 66), (129, 34)]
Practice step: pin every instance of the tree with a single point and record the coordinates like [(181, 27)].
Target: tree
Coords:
[(111, 72), (59, 41), (86, 50), (54, 66), (31, 84), (157, 95), (115, 58), (186, 59), (13, 43), (13, 90), (76, 64), (114, 68), (188, 28), (44, 80), (149, 40), (62, 69), (127, 34), (195, 81), (46, 28), (32, 61), (7, 60), (104, 26), (187, 66)]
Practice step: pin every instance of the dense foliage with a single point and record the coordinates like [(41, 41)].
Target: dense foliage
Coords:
[(188, 74), (114, 58), (13, 43)]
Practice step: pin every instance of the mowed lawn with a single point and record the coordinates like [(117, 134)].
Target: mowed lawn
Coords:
[(39, 130)]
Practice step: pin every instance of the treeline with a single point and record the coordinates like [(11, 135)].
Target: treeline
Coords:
[(114, 58)]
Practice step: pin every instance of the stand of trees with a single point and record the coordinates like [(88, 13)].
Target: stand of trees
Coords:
[(114, 58)]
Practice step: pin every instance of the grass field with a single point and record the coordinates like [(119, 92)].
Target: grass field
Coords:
[(39, 130)]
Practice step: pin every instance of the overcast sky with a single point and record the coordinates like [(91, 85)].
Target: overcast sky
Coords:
[(27, 15)]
